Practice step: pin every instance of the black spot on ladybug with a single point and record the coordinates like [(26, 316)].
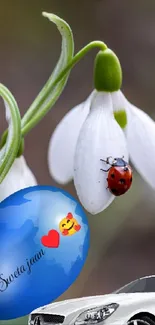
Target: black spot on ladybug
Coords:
[(122, 181), (114, 191), (131, 179), (126, 168), (112, 175)]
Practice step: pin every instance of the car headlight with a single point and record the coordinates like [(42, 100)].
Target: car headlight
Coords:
[(96, 315)]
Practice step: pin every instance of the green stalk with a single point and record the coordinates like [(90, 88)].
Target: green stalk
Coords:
[(10, 150), (39, 114)]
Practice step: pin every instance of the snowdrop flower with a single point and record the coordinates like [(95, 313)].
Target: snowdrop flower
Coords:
[(87, 134), (19, 177), (98, 136)]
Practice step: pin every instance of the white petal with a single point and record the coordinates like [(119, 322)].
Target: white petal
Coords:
[(63, 142), (18, 177), (119, 101), (140, 133), (100, 137)]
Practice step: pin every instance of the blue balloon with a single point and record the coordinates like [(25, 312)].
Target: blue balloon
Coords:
[(44, 242)]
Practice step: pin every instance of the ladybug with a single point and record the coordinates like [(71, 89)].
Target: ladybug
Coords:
[(119, 176)]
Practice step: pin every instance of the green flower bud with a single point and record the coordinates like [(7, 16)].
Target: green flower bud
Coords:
[(121, 118), (107, 71)]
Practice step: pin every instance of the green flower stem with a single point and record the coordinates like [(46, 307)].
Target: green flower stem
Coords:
[(9, 151), (35, 115), (67, 53)]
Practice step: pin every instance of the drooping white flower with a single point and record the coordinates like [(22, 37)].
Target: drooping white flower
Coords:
[(19, 177), (93, 134), (139, 133), (140, 137)]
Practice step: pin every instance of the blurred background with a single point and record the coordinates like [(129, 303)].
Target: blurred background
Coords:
[(123, 236)]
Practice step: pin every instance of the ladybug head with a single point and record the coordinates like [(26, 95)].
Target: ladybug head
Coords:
[(119, 162)]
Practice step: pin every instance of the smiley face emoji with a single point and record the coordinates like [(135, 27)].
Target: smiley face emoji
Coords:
[(69, 225)]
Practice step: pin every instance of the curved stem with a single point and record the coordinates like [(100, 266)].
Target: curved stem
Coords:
[(33, 111), (67, 53), (9, 151)]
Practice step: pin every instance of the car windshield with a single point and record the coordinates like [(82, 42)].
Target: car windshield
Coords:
[(141, 285)]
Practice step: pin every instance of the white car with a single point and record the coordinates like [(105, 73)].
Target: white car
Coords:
[(132, 304)]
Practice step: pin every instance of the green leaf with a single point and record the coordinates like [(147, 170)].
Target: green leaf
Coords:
[(49, 94), (9, 151)]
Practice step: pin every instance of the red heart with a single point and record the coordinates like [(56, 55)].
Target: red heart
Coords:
[(52, 240)]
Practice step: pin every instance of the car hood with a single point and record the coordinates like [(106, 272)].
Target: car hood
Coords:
[(66, 307)]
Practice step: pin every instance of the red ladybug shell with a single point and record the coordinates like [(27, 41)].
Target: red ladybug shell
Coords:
[(119, 179)]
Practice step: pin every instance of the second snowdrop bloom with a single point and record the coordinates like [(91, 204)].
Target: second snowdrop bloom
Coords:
[(19, 177)]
